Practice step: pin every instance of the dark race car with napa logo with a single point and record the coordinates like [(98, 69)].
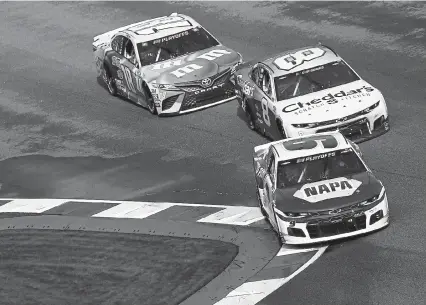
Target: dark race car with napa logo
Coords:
[(170, 65), (317, 188)]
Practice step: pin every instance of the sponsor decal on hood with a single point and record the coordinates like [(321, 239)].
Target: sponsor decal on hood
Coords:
[(329, 99), (196, 66), (327, 189)]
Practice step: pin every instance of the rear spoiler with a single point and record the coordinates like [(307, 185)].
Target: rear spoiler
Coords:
[(106, 37)]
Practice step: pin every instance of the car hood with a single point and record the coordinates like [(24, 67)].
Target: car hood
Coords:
[(162, 72), (328, 194), (329, 104)]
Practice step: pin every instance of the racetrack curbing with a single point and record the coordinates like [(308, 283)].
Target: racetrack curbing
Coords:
[(256, 247), (260, 267)]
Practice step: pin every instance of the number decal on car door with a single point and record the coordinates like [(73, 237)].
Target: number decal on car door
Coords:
[(129, 79), (265, 111)]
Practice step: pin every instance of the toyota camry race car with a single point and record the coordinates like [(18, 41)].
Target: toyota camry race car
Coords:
[(308, 91), (317, 188), (170, 65)]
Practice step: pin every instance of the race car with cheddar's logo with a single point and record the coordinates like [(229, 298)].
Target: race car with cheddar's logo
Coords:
[(308, 91), (317, 188), (169, 65)]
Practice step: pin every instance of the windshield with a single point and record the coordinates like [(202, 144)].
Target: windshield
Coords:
[(172, 46), (313, 80), (318, 167)]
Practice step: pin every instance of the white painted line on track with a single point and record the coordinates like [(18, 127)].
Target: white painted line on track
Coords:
[(229, 215), (242, 216), (130, 201), (134, 210), (250, 293), (287, 251), (30, 206)]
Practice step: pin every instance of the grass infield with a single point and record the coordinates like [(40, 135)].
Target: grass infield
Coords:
[(70, 267)]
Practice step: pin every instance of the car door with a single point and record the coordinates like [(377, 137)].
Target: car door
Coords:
[(114, 57), (263, 98), (126, 70)]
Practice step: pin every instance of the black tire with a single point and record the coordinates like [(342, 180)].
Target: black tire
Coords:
[(109, 81), (150, 100), (262, 210), (247, 111), (281, 130)]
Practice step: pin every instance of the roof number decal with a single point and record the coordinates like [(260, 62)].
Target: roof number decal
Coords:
[(290, 61), (145, 28), (327, 141)]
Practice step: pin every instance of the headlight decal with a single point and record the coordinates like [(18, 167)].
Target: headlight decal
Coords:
[(371, 108), (375, 199)]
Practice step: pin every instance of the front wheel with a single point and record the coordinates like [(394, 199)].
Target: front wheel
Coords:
[(281, 129), (262, 209), (150, 101), (110, 82)]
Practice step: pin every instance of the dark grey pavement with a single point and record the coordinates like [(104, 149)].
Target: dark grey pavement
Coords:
[(51, 104)]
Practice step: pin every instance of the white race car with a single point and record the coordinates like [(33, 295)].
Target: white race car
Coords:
[(308, 91), (317, 188)]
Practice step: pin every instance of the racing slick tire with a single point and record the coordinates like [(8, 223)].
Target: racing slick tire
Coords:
[(150, 100), (109, 81), (262, 210), (281, 130), (248, 113)]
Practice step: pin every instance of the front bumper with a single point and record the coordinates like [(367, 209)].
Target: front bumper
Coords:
[(358, 130), (358, 134), (326, 230), (190, 97)]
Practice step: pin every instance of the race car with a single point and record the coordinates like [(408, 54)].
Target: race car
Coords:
[(307, 91), (170, 65), (317, 188)]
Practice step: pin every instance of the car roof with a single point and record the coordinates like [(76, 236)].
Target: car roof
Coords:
[(284, 154), (159, 27), (325, 55)]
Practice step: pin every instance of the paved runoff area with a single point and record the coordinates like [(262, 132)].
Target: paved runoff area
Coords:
[(63, 136)]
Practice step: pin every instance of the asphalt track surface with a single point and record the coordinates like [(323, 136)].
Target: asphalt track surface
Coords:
[(74, 267), (85, 144)]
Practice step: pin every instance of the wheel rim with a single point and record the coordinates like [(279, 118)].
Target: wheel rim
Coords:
[(151, 105), (260, 204), (109, 84)]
